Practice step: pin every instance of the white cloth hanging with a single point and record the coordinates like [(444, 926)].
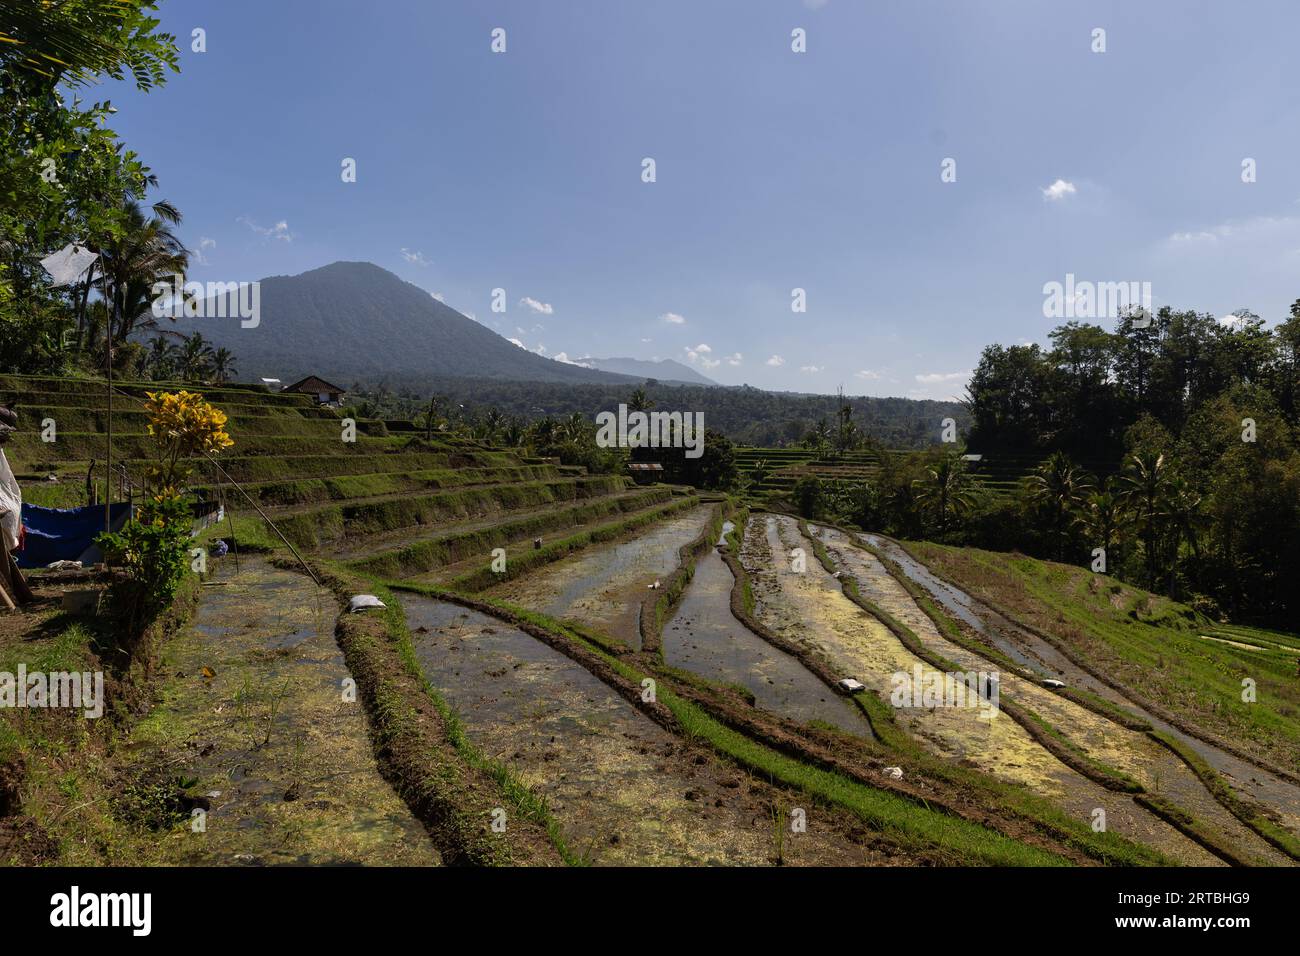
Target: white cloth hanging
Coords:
[(69, 264), (11, 504)]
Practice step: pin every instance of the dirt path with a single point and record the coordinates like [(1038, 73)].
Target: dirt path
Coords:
[(603, 586), (1038, 655), (811, 608), (282, 762), (1129, 751), (623, 789)]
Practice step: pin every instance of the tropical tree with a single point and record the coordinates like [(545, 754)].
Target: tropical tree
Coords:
[(945, 492), (1144, 491), (194, 358), (1102, 521), (1058, 488), (639, 401), (819, 438), (221, 365)]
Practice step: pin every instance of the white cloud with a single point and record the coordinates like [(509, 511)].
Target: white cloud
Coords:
[(564, 357), (438, 296), (1059, 190), (672, 318), (645, 341), (517, 342), (700, 356), (1194, 237), (942, 378), (414, 257), (866, 374), (279, 231), (735, 358), (543, 308), (811, 369), (775, 361)]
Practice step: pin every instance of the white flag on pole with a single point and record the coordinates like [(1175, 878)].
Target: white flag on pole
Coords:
[(69, 264)]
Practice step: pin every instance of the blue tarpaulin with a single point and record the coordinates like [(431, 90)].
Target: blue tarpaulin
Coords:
[(65, 534)]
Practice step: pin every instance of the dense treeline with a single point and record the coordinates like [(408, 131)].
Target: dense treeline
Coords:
[(746, 415), (1194, 426)]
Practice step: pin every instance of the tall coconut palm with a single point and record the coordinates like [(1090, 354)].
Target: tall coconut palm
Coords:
[(1144, 490), (144, 253), (1059, 488)]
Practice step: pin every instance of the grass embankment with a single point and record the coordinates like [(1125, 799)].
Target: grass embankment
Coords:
[(317, 526), (57, 787), (1147, 647), (454, 546), (424, 752), (658, 606)]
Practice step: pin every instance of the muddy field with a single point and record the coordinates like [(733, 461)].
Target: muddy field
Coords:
[(604, 585), (623, 789), (703, 637), (1041, 657), (810, 607), (1131, 752), (252, 726)]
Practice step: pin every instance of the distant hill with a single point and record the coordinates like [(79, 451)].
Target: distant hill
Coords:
[(663, 370), (354, 320)]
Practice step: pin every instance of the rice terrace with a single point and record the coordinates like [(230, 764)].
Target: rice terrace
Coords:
[(303, 566)]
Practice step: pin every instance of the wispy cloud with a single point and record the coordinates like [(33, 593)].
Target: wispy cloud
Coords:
[(204, 244), (414, 257), (775, 361), (867, 374), (279, 231), (672, 318), (542, 308), (811, 369)]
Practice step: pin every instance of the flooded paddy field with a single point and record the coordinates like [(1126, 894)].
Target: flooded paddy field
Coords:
[(1133, 753), (252, 720), (703, 637), (623, 789), (810, 607), (603, 585), (1267, 788)]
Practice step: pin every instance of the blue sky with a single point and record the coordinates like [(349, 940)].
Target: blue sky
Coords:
[(775, 169)]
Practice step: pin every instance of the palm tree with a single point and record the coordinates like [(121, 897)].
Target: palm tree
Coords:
[(1183, 509), (1059, 488), (195, 358), (945, 491), (160, 359), (1103, 518), (143, 253), (639, 401), (222, 365), (1144, 490)]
